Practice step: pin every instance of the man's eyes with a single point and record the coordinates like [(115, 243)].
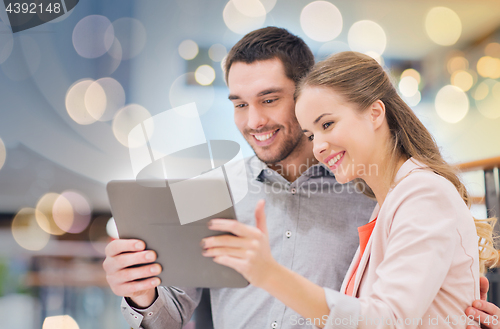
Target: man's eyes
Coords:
[(266, 101), (270, 101)]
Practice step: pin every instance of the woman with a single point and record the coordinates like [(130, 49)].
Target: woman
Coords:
[(418, 264)]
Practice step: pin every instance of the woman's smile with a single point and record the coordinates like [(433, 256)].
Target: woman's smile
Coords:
[(334, 160)]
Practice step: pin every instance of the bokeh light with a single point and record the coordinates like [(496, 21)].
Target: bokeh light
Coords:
[(321, 21), (250, 8), (457, 63), (131, 34), (488, 98), (204, 75), (6, 42), (60, 322), (95, 100), (75, 103), (238, 22), (452, 104), (62, 211), (27, 231), (481, 91), (223, 67), (443, 26), (412, 73), (492, 49), (3, 153), (45, 206), (462, 79), (116, 50), (103, 98), (413, 100), (180, 94), (188, 49), (72, 212), (367, 36), (489, 67), (111, 228), (217, 52), (93, 36), (110, 62), (376, 57), (97, 233), (331, 47), (408, 86), (126, 119), (268, 4)]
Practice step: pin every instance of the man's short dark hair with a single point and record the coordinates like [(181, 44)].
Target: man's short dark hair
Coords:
[(273, 42)]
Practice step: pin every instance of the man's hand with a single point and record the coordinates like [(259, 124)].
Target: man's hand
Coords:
[(124, 274), (487, 314), (248, 252)]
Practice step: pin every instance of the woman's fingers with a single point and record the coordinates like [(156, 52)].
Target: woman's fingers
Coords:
[(224, 251), (235, 227), (487, 314), (484, 286), (225, 241)]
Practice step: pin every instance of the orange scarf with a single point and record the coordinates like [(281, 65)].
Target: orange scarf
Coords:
[(365, 232)]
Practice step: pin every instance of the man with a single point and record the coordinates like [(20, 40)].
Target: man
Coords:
[(312, 220)]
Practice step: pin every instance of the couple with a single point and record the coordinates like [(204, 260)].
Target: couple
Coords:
[(418, 259)]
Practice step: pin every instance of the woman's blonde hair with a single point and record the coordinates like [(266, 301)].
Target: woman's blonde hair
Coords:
[(362, 81)]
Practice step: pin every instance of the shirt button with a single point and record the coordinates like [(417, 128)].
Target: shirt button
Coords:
[(293, 190), (288, 234), (150, 313), (274, 325)]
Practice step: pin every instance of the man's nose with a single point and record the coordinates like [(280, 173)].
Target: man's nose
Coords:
[(256, 118)]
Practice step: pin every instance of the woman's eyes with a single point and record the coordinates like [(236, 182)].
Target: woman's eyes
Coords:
[(324, 125), (327, 124)]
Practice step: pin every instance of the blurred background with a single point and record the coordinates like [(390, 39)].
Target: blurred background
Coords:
[(72, 89)]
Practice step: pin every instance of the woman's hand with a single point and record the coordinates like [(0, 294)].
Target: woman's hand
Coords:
[(248, 252), (486, 313)]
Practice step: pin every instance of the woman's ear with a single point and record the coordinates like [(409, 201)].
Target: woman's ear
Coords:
[(377, 113)]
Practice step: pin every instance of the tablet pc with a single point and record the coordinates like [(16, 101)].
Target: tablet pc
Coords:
[(149, 211)]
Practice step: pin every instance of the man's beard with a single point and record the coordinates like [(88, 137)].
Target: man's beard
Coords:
[(284, 150)]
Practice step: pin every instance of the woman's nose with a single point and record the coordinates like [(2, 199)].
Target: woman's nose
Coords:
[(319, 147)]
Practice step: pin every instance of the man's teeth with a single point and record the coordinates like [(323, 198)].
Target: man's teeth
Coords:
[(334, 160), (264, 137)]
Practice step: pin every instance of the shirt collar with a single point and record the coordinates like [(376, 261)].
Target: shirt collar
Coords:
[(407, 168), (257, 167)]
